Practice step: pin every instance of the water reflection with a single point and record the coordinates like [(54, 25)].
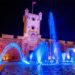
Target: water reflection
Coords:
[(23, 69)]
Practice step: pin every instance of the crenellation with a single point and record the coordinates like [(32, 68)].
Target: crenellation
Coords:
[(31, 37)]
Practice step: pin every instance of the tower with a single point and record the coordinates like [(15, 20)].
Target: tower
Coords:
[(31, 30)]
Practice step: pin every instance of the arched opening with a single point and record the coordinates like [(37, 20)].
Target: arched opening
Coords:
[(11, 55), (9, 47)]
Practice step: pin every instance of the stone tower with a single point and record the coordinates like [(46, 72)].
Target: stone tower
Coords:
[(31, 31)]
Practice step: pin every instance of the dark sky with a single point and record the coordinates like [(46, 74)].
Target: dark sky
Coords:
[(11, 16)]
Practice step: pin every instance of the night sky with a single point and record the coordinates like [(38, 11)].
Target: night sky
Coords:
[(12, 11)]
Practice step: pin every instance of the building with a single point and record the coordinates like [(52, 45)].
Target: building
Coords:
[(11, 48)]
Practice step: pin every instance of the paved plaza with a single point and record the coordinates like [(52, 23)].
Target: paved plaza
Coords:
[(23, 69)]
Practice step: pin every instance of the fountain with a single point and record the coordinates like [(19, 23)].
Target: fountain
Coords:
[(69, 56), (40, 53), (56, 47)]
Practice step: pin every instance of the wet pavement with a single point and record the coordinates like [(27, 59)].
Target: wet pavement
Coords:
[(23, 69)]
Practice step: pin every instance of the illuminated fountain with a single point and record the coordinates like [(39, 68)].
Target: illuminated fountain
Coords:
[(40, 54), (66, 57), (56, 48), (72, 54), (69, 56), (43, 52)]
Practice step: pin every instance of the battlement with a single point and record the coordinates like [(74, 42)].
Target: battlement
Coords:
[(31, 37)]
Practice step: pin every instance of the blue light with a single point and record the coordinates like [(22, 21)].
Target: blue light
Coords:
[(52, 26), (55, 48), (38, 53), (25, 61), (31, 56), (11, 45), (42, 52)]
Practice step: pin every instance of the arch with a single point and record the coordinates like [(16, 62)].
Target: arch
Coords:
[(11, 45)]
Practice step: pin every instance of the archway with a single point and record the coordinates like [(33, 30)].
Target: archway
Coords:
[(8, 47)]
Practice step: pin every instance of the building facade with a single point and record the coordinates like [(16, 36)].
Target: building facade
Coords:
[(29, 41)]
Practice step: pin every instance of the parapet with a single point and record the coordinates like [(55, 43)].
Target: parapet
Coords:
[(7, 36)]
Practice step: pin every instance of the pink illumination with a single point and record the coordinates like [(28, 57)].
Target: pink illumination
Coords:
[(33, 2)]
